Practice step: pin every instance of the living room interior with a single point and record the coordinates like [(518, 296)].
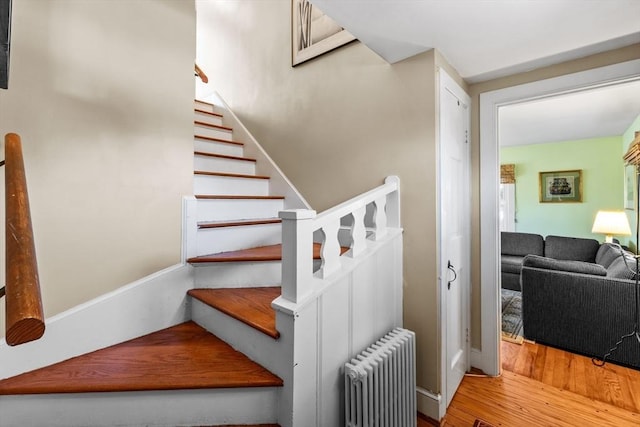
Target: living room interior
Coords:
[(586, 133)]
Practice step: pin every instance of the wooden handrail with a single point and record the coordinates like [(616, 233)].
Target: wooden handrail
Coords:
[(24, 314), (201, 74)]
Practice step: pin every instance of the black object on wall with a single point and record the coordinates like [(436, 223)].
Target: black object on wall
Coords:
[(5, 39)]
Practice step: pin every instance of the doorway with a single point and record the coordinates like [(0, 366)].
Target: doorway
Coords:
[(488, 359)]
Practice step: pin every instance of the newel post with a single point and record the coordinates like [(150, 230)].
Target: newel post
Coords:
[(297, 253), (393, 202)]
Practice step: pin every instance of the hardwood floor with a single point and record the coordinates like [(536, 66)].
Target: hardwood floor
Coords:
[(544, 386)]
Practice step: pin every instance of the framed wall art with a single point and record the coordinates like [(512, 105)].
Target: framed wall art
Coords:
[(561, 186), (630, 187), (313, 33)]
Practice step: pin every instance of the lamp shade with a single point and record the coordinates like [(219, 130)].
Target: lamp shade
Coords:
[(611, 223)]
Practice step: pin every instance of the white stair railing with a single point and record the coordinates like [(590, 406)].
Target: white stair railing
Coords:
[(364, 218), (331, 309)]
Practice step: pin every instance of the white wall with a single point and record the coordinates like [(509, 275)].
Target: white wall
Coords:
[(101, 92)]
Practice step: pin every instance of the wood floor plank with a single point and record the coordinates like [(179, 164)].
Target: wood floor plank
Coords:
[(251, 306), (516, 400), (181, 357), (576, 373), (544, 386)]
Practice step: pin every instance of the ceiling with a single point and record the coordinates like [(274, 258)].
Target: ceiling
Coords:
[(593, 113), (487, 39)]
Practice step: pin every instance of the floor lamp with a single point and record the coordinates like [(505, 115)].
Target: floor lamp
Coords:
[(631, 158)]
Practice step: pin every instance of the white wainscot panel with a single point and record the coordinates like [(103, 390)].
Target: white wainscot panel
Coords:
[(335, 351), (364, 310)]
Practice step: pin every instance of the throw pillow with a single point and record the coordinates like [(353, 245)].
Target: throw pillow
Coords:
[(607, 253)]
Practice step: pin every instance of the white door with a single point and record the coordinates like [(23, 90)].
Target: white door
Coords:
[(455, 233)]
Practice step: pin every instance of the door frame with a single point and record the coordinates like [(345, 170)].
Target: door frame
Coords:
[(488, 359), (446, 83)]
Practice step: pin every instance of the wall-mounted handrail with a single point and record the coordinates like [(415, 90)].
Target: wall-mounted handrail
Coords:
[(201, 74), (24, 313)]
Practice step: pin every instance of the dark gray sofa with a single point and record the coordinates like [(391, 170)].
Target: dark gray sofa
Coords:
[(515, 246), (583, 307)]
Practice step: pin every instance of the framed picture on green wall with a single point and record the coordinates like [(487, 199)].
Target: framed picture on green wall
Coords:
[(630, 187), (561, 186)]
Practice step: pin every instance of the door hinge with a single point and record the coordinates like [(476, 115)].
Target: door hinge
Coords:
[(467, 334)]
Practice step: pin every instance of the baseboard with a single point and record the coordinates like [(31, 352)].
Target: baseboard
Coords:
[(430, 404), (475, 358)]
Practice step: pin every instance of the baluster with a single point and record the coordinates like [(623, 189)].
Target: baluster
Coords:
[(380, 218), (297, 253), (330, 251), (358, 232)]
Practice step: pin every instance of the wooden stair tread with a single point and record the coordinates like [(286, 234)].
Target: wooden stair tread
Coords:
[(204, 102), (198, 110), (184, 356), (251, 306), (222, 224), (212, 139), (232, 197), (231, 175), (224, 156), (248, 425), (262, 253), (210, 125)]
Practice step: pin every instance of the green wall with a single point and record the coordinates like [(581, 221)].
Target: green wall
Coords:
[(600, 160)]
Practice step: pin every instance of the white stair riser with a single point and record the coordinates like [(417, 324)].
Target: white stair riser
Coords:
[(203, 106), (227, 185), (156, 408), (208, 118), (238, 274), (234, 209), (212, 132), (217, 164), (259, 347), (223, 239), (214, 147)]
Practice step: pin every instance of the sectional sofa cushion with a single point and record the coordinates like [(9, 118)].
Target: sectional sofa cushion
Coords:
[(622, 268), (608, 253), (511, 264), (521, 244), (571, 248), (568, 266)]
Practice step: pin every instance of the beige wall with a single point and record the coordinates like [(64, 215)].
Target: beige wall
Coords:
[(600, 60), (101, 92), (336, 126)]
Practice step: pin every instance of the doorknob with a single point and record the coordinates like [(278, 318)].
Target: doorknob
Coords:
[(455, 274)]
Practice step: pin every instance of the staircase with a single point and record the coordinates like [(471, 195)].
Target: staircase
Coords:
[(237, 227), (236, 334)]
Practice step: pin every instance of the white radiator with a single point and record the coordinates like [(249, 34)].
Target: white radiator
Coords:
[(380, 383)]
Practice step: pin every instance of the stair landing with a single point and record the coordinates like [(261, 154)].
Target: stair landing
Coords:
[(185, 356)]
